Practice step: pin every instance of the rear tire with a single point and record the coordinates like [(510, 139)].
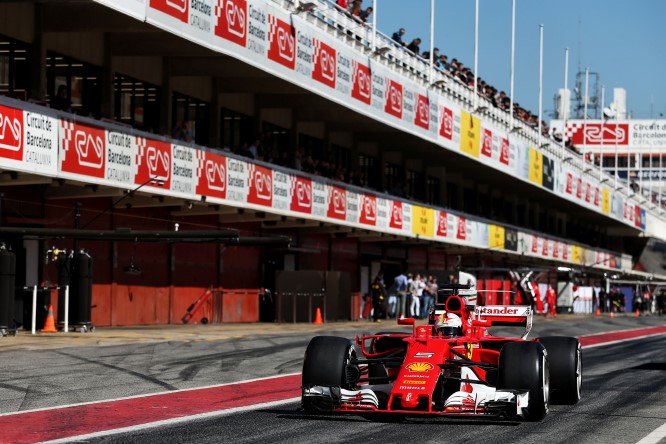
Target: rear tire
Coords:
[(524, 366), (565, 359), (325, 364)]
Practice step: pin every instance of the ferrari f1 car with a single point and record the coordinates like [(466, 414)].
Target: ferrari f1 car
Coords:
[(451, 367)]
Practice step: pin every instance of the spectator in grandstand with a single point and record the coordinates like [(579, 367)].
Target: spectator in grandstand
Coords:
[(397, 36), (435, 58), (365, 14), (414, 46), (182, 132), (356, 7), (501, 101), (444, 63), (344, 4), (61, 100)]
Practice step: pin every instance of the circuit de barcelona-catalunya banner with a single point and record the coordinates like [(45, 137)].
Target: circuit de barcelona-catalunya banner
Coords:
[(39, 141), (285, 45)]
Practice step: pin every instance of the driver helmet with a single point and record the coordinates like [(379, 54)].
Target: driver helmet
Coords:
[(449, 325)]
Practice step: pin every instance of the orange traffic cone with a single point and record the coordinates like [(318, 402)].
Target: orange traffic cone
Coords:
[(318, 320), (612, 314), (598, 313), (49, 324), (638, 313)]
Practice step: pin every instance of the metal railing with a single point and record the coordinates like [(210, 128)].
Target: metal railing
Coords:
[(334, 21)]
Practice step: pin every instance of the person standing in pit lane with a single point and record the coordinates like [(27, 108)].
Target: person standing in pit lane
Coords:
[(379, 296)]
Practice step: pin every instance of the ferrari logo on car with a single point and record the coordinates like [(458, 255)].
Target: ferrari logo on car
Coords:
[(420, 366), (468, 345)]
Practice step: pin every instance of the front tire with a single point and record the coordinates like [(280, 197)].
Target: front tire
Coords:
[(325, 364), (524, 366), (565, 358)]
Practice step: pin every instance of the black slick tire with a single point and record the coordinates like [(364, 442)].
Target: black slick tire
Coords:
[(524, 366), (565, 359)]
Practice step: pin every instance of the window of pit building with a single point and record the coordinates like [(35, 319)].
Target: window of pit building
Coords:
[(192, 112), (235, 129), (394, 176), (136, 103), (433, 190), (80, 79), (342, 156), (314, 147), (370, 174), (276, 141), (14, 68), (415, 185)]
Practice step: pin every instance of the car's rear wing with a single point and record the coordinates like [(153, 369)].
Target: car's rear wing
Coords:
[(502, 315)]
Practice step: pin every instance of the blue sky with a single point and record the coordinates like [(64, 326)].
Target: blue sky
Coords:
[(623, 41)]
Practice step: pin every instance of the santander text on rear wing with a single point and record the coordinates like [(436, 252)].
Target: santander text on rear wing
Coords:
[(498, 315)]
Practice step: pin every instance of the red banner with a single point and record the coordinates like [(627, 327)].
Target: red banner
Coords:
[(422, 112), (175, 8), (446, 127), (368, 214), (393, 98), (212, 175), (153, 162), (395, 220), (442, 224), (83, 149), (301, 195), (487, 143), (337, 203), (282, 42), (362, 82), (324, 61), (11, 133), (260, 186), (232, 21), (504, 150), (462, 228)]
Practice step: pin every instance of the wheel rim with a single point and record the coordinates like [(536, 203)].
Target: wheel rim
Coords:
[(545, 382), (579, 371)]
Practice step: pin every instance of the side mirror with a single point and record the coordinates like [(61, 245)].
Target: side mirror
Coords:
[(406, 321)]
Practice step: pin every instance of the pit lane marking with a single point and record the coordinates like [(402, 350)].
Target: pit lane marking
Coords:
[(616, 337), (657, 435), (174, 421)]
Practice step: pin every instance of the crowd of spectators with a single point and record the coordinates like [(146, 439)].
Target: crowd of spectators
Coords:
[(321, 164), (410, 295), (456, 70), (355, 9)]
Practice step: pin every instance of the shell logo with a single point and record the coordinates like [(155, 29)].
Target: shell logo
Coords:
[(420, 366)]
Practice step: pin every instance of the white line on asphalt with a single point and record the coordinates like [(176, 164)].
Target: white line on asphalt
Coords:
[(57, 407), (173, 421), (657, 435)]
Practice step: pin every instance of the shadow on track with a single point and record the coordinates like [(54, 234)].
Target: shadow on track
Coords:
[(386, 419)]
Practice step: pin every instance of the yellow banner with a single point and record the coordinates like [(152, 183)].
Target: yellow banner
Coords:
[(496, 237), (470, 134), (577, 254), (536, 167), (605, 200), (423, 221)]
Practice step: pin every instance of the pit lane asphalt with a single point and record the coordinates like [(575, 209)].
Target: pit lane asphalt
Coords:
[(623, 400)]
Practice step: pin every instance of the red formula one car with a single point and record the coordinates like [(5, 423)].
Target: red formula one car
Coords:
[(453, 367)]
